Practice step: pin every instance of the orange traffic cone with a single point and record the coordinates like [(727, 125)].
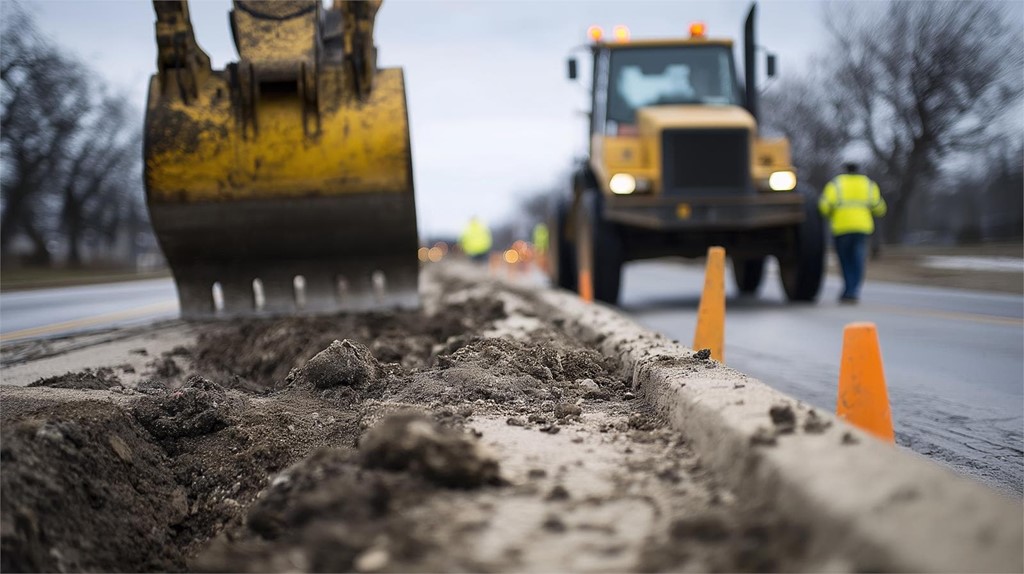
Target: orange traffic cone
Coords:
[(586, 285), (863, 400), (710, 332)]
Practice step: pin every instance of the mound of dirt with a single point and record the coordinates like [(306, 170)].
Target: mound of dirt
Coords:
[(321, 515), (378, 442), (85, 489)]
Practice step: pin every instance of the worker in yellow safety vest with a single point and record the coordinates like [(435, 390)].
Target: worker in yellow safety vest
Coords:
[(540, 245), (851, 201), (476, 240)]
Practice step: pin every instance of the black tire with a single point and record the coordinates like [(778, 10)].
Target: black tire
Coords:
[(562, 264), (601, 241), (802, 271), (748, 274)]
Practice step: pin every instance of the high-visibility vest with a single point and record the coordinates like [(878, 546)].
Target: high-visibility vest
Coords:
[(851, 202), (476, 239), (540, 238)]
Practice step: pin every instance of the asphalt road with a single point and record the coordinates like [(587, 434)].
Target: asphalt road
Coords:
[(953, 360), (49, 312)]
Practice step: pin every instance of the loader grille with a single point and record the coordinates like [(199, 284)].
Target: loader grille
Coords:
[(702, 162)]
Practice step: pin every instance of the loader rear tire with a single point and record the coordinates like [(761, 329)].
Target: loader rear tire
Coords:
[(748, 274), (802, 270), (561, 253), (600, 242)]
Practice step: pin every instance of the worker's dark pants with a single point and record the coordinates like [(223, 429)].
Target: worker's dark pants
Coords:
[(851, 248)]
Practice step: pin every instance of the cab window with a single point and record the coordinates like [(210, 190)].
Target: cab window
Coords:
[(640, 77)]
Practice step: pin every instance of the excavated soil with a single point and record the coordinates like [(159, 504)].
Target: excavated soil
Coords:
[(475, 437)]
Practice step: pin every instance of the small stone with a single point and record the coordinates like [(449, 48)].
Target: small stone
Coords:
[(703, 354), (558, 493), (564, 410), (629, 396), (514, 422), (815, 424), (550, 429), (763, 437), (783, 418), (848, 439), (554, 524), (120, 448), (373, 560), (589, 385), (537, 473)]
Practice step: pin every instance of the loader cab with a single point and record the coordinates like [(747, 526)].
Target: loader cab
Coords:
[(629, 77)]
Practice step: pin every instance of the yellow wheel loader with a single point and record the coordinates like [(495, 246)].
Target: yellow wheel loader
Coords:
[(676, 165), (282, 183)]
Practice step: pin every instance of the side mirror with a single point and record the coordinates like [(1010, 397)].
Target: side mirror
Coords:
[(770, 68), (572, 68)]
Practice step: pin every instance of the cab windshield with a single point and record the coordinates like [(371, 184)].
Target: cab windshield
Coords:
[(640, 77)]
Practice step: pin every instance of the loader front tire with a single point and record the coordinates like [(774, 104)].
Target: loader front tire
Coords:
[(802, 270), (599, 242)]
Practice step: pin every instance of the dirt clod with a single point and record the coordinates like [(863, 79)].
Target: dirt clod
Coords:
[(763, 437), (567, 410), (98, 379), (343, 363), (783, 418), (558, 493), (165, 367), (814, 424), (703, 354), (413, 442), (198, 408)]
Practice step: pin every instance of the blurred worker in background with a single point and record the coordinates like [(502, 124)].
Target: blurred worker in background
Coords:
[(851, 201), (540, 245), (475, 240)]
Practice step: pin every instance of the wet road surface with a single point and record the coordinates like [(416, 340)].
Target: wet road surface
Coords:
[(49, 312), (954, 360)]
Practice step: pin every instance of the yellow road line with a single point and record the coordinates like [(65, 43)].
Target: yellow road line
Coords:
[(154, 308), (951, 315)]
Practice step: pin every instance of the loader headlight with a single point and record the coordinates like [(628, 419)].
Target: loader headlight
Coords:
[(622, 184), (782, 180)]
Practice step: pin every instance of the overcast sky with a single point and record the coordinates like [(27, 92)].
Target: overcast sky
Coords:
[(493, 115)]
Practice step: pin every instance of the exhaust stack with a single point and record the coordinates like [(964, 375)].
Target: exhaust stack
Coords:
[(750, 62)]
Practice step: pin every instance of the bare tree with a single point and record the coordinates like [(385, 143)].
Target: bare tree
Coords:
[(798, 108), (71, 153), (920, 81), (94, 187), (42, 103)]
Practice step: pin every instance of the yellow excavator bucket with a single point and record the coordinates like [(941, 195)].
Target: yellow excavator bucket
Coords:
[(282, 183)]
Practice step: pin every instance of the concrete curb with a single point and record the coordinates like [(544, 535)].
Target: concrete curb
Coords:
[(875, 506)]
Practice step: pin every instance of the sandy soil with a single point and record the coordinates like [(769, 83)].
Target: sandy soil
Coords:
[(474, 436)]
